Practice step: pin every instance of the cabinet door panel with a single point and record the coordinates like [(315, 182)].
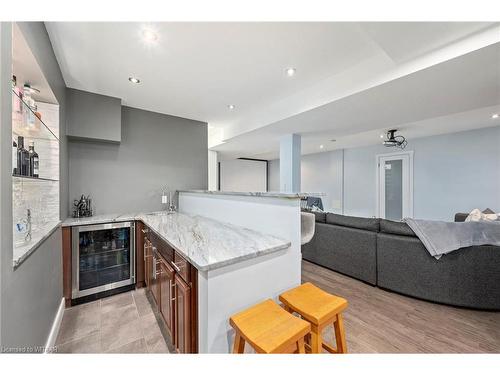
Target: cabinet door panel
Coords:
[(166, 281), (148, 263), (182, 315), (155, 281)]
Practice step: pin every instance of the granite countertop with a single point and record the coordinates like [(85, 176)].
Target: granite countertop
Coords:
[(206, 243), (98, 219), (270, 194)]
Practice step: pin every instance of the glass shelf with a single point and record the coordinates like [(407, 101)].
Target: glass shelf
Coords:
[(26, 124), (37, 195), (34, 178)]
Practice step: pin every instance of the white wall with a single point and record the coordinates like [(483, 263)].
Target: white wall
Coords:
[(243, 175), (452, 173)]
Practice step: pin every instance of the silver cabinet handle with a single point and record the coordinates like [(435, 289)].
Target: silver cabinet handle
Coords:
[(154, 268), (145, 231), (176, 267), (172, 290)]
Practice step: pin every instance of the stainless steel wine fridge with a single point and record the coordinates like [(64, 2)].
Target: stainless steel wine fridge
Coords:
[(103, 257)]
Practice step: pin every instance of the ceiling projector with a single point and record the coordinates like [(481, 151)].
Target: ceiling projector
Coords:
[(395, 140)]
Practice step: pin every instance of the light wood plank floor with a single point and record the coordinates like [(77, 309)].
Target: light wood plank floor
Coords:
[(379, 321)]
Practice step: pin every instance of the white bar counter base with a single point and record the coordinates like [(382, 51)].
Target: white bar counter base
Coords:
[(225, 291)]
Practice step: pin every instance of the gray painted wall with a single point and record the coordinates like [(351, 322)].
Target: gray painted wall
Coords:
[(93, 116), (452, 173), (5, 163), (30, 295), (156, 151)]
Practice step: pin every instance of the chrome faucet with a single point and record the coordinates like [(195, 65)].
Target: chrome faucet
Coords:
[(171, 205), (166, 198), (27, 238)]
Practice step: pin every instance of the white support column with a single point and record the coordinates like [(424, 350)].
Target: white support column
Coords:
[(290, 163), (213, 170)]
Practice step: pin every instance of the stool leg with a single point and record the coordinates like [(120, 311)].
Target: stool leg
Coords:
[(340, 334), (316, 340), (239, 344), (300, 346)]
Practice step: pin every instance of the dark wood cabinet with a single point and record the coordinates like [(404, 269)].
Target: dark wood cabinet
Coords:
[(166, 285), (172, 281), (182, 315)]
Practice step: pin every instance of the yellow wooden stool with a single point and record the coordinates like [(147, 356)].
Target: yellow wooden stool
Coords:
[(320, 309), (269, 329)]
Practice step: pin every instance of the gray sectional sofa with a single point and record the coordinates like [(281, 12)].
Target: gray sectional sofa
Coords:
[(389, 255)]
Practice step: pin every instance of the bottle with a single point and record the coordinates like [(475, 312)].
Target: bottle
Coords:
[(23, 158), (33, 160), (14, 157)]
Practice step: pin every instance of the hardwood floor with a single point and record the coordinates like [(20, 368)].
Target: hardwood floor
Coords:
[(379, 321)]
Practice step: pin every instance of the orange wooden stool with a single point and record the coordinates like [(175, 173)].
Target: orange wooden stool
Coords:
[(320, 309), (269, 329)]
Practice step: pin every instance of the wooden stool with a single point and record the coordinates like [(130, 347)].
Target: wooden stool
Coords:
[(269, 329), (320, 309)]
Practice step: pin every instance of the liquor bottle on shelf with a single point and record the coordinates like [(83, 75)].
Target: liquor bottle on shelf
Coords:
[(23, 158), (33, 160), (14, 157)]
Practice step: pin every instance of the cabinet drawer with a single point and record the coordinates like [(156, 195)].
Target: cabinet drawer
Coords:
[(183, 267), (162, 247)]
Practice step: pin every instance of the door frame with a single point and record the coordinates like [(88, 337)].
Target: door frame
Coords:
[(378, 157)]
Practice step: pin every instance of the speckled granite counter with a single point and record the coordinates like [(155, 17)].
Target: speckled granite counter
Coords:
[(208, 244)]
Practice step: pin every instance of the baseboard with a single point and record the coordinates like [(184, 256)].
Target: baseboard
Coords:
[(54, 330)]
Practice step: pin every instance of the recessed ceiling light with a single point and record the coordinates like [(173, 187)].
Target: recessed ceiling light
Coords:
[(134, 80), (231, 106), (149, 35), (290, 72), (381, 136), (321, 147), (495, 116)]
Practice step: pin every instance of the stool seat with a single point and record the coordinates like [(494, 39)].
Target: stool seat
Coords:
[(268, 328), (321, 309), (312, 303)]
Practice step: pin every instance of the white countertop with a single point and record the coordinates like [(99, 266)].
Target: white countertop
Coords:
[(271, 194), (208, 244)]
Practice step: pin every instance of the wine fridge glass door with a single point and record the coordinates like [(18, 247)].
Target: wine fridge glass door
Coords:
[(103, 258)]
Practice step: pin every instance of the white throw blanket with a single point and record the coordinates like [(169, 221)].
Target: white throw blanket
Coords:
[(441, 237)]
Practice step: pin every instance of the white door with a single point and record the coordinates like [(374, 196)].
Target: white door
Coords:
[(395, 185)]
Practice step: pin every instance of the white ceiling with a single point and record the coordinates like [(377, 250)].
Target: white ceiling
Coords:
[(351, 77), (456, 95)]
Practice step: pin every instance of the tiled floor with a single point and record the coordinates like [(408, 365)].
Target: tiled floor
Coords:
[(124, 323)]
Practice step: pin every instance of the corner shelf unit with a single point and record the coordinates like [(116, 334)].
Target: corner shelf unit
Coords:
[(39, 195)]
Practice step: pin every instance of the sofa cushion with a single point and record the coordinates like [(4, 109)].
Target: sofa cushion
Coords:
[(350, 251), (396, 227), (353, 222), (320, 216), (460, 217)]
